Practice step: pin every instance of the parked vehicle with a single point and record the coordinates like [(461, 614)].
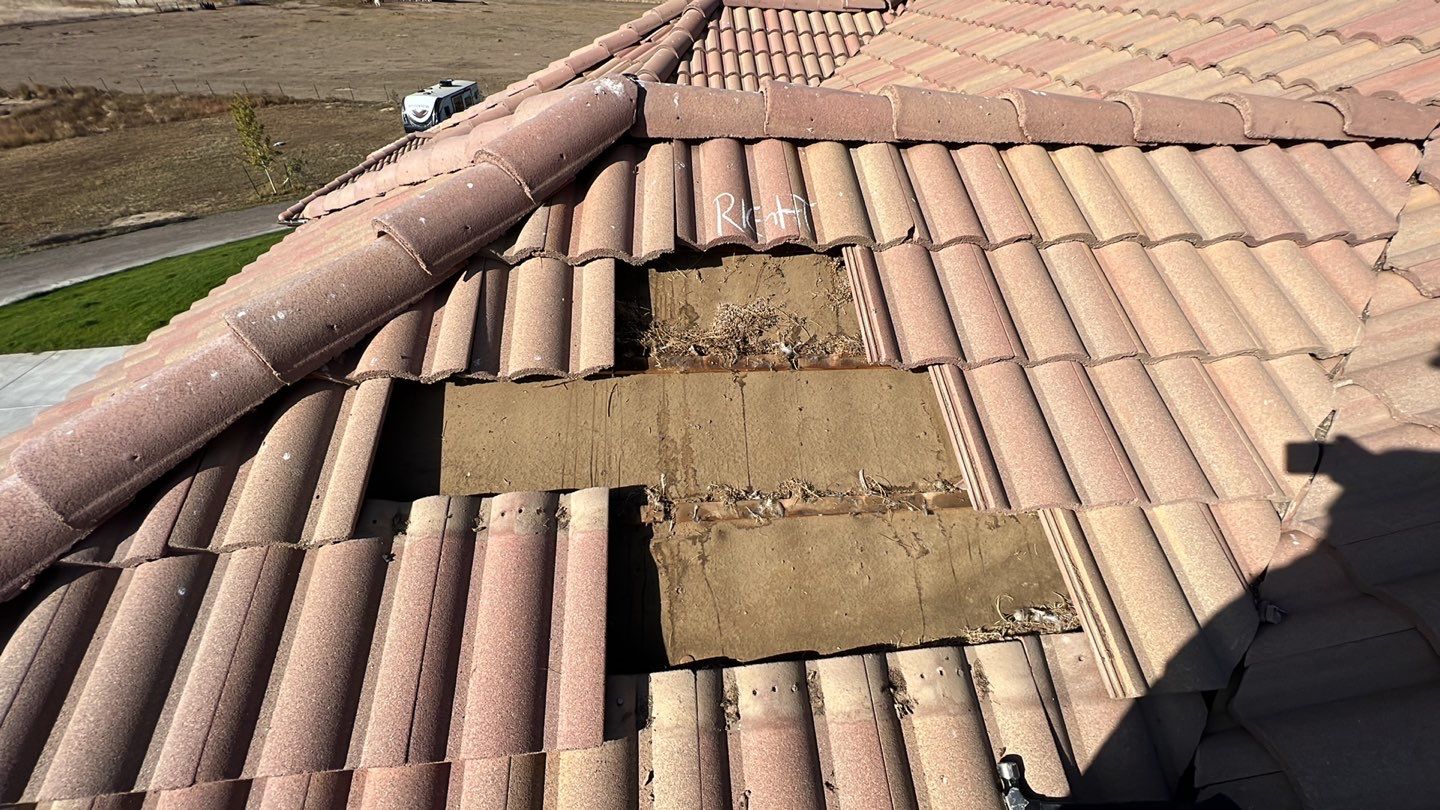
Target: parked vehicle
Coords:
[(437, 102)]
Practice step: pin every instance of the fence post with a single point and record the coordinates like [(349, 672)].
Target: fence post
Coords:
[(174, 85), (246, 169), (246, 85), (282, 89), (106, 86), (352, 94), (208, 87), (142, 85)]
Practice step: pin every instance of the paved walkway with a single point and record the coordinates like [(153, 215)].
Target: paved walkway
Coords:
[(29, 383), (35, 273)]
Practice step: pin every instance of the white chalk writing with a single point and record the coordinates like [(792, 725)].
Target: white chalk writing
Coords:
[(747, 219)]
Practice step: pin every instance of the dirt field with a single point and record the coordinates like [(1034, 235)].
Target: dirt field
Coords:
[(305, 48), (41, 11), (332, 50), (188, 167)]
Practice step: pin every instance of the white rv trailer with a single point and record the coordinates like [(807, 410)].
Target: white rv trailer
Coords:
[(437, 102)]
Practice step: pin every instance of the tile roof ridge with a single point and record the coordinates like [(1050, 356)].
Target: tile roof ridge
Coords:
[(688, 29), (65, 481), (291, 215), (898, 113), (815, 5)]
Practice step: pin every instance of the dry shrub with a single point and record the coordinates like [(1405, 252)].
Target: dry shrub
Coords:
[(30, 115)]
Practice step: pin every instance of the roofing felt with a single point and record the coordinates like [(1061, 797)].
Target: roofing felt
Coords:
[(479, 632), (904, 729)]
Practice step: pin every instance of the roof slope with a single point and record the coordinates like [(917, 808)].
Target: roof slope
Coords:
[(905, 729), (1122, 302), (443, 642), (272, 324), (1267, 48)]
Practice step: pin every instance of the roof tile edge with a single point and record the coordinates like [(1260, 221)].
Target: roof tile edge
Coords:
[(67, 480)]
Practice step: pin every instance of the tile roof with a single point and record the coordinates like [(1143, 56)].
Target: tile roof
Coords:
[(1270, 48), (1346, 674), (1354, 662), (1165, 590), (642, 200), (290, 313), (497, 322), (793, 111), (969, 307), (912, 727), (1397, 361), (292, 472), (271, 325), (1415, 251), (689, 42), (1152, 274), (746, 44), (1128, 433), (477, 632)]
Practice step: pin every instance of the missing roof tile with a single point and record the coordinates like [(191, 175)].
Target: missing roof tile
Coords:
[(737, 309), (691, 432)]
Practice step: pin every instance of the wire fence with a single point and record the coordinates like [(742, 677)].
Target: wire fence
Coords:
[(313, 90)]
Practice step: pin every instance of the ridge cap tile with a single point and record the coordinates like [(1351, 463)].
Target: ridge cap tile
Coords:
[(1286, 119)]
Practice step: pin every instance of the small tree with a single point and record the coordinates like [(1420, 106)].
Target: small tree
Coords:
[(256, 148)]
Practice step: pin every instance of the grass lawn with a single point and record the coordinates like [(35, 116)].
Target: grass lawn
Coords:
[(123, 308)]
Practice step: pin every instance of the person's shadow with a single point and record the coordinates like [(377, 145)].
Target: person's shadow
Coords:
[(1337, 702)]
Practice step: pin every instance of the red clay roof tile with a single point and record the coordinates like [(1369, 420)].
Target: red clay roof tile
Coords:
[(1141, 573), (921, 725), (823, 194), (312, 657)]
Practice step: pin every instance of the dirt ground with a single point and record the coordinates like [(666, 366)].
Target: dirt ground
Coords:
[(42, 11), (333, 50), (187, 167), (305, 48)]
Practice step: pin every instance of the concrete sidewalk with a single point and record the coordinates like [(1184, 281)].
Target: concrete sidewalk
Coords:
[(35, 273), (29, 383)]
